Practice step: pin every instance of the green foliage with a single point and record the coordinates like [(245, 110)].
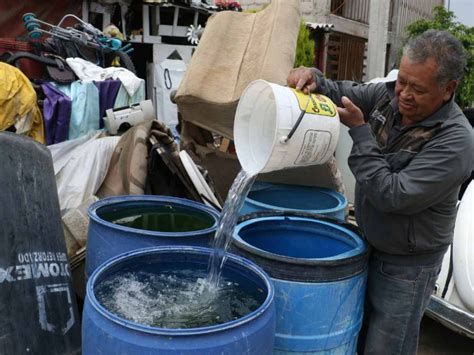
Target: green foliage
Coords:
[(446, 20), (304, 48)]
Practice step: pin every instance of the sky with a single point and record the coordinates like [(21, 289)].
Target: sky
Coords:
[(463, 9)]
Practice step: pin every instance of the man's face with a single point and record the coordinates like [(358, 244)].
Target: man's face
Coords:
[(419, 94)]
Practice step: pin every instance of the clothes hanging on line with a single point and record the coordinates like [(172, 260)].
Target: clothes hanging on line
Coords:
[(85, 112), (108, 90), (72, 110), (56, 114), (88, 71)]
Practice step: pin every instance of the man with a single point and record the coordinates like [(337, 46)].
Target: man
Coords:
[(412, 149)]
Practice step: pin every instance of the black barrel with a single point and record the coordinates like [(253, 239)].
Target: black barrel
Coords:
[(38, 310)]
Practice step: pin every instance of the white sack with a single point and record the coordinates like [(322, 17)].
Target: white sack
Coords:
[(80, 169), (168, 76)]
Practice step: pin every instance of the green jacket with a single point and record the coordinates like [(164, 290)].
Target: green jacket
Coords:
[(407, 189)]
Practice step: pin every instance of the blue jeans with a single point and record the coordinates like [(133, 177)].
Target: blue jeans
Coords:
[(397, 297)]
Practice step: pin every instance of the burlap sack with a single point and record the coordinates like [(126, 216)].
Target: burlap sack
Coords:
[(128, 165), (235, 49)]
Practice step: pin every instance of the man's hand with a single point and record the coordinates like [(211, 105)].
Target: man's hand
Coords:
[(350, 114), (301, 78)]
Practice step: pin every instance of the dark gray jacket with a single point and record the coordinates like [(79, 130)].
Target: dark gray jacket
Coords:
[(405, 201)]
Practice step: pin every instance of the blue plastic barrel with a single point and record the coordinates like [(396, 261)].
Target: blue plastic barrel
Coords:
[(106, 333), (114, 227), (267, 196), (319, 270)]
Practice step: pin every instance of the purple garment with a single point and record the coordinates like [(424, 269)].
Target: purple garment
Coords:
[(56, 114), (108, 90)]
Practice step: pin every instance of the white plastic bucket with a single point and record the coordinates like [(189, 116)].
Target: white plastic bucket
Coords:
[(268, 136)]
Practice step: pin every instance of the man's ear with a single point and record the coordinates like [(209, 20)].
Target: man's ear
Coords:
[(449, 89)]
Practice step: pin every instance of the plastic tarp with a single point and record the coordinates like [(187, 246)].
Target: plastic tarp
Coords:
[(18, 106)]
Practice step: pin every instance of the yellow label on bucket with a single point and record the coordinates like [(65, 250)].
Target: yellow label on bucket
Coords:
[(315, 104)]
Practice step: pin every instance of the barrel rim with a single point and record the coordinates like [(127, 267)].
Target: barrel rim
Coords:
[(340, 258), (108, 201), (262, 309), (307, 270), (341, 199)]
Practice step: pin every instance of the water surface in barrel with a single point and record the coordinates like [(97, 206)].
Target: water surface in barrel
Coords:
[(158, 218), (177, 296)]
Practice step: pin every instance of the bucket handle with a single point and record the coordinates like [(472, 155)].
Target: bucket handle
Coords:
[(298, 121)]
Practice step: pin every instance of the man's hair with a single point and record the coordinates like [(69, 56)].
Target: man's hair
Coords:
[(444, 48)]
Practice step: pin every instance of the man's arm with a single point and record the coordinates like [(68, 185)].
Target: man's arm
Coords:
[(364, 96)]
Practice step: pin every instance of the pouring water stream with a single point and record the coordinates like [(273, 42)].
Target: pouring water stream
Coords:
[(229, 216)]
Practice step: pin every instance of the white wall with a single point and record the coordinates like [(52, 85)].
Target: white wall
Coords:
[(310, 9)]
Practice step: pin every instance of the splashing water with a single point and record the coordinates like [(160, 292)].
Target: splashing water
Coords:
[(176, 298), (229, 216)]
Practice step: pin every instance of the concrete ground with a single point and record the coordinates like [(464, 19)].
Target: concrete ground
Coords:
[(436, 339)]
